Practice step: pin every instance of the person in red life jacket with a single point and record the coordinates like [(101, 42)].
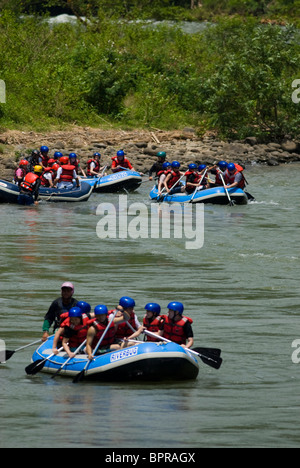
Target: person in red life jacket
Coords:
[(158, 165), (194, 176), (172, 182), (47, 177), (94, 166), (233, 177), (166, 170), (126, 330), (152, 320), (99, 325), (216, 170), (21, 172), (66, 174), (30, 186), (58, 307), (121, 163), (44, 154), (72, 332), (176, 327), (74, 162)]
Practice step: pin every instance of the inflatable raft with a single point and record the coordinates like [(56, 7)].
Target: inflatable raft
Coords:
[(9, 193), (146, 361), (124, 180), (215, 195)]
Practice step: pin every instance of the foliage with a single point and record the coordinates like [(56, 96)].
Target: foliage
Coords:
[(235, 77)]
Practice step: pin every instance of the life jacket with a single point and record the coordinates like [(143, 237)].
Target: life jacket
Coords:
[(67, 173), (29, 182), (109, 337), (174, 331), (123, 329), (44, 181), (166, 172), (124, 163), (193, 178), (153, 326), (175, 177), (229, 178), (80, 331), (45, 160), (97, 166)]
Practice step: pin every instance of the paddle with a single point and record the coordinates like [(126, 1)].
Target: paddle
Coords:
[(9, 354), (80, 376), (198, 185), (68, 360), (228, 196), (208, 358), (37, 366)]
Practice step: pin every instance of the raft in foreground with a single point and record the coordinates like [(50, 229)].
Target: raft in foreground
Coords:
[(9, 193), (147, 361), (124, 180), (215, 195)]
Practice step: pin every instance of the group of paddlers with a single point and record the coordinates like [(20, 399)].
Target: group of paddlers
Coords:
[(169, 176), (75, 324)]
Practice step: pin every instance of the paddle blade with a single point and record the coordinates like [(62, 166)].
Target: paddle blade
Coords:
[(9, 354), (212, 361), (213, 351), (35, 367), (79, 377)]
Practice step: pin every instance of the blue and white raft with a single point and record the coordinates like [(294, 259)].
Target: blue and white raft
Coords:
[(9, 193), (147, 361), (124, 180), (215, 195)]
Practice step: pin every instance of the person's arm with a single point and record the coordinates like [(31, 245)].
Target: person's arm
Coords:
[(237, 179), (65, 344), (57, 336), (89, 341)]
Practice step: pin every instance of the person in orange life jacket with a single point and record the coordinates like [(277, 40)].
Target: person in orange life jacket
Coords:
[(74, 162), (30, 186), (176, 327), (158, 165), (173, 177), (94, 168), (72, 332), (124, 330), (166, 169), (99, 325), (44, 154), (119, 162), (66, 174), (21, 172), (58, 307), (233, 177)]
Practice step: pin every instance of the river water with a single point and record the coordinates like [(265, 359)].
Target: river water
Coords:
[(241, 289)]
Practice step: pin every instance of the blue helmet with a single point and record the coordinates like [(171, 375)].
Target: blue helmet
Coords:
[(120, 153), (153, 307), (166, 165), (75, 312), (97, 154), (201, 167), (126, 302), (176, 306), (230, 167), (192, 166), (175, 164), (101, 309), (84, 306), (222, 165), (44, 149), (57, 155), (72, 155)]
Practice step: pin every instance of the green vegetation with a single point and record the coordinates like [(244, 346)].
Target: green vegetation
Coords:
[(235, 77)]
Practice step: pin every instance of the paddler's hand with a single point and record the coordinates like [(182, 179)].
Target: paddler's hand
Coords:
[(45, 336)]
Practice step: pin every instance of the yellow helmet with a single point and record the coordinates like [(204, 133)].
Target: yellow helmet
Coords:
[(38, 169)]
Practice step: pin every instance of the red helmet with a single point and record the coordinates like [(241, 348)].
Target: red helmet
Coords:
[(64, 160), (23, 162), (51, 162), (55, 167)]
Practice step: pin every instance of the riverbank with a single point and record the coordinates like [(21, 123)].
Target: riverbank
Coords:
[(141, 147)]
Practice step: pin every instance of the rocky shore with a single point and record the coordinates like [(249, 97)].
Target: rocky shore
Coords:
[(141, 147)]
